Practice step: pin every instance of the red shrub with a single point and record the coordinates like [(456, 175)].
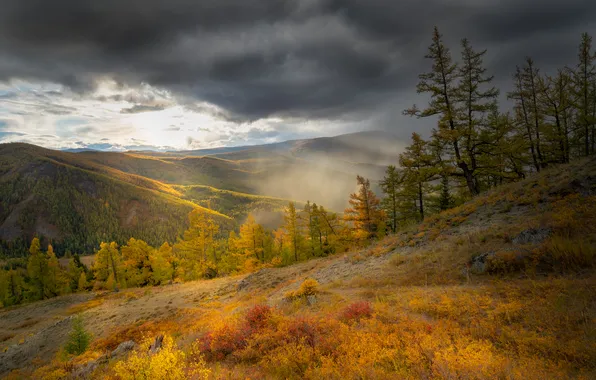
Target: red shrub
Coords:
[(223, 341), (257, 317), (302, 330), (357, 311)]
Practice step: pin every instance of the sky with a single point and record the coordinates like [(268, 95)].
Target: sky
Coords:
[(189, 74)]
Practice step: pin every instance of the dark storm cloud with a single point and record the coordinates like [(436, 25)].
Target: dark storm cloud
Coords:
[(313, 58)]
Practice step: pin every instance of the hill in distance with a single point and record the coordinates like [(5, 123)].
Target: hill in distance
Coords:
[(75, 200)]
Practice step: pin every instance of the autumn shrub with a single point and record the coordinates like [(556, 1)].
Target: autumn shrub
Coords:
[(169, 362), (257, 316), (357, 311), (225, 338), (309, 287)]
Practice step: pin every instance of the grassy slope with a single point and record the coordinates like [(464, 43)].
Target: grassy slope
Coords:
[(433, 318)]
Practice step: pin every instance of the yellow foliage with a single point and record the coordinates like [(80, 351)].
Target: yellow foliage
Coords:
[(309, 287), (169, 362)]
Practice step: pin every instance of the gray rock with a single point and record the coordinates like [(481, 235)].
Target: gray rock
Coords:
[(156, 345), (311, 300), (479, 263), (123, 348), (532, 236)]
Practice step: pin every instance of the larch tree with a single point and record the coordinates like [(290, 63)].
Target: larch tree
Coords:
[(54, 276), (419, 169), (37, 270), (252, 239), (292, 227), (443, 86), (107, 265), (584, 76), (554, 97), (478, 99), (365, 211), (530, 84), (522, 113), (391, 186)]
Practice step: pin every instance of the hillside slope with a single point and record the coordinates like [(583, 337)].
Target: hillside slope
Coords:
[(75, 204), (500, 287)]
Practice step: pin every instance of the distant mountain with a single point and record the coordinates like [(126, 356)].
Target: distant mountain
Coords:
[(76, 200)]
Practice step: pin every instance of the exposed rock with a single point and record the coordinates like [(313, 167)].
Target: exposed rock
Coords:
[(156, 346), (503, 261), (532, 236), (85, 371), (479, 263), (123, 348), (311, 300)]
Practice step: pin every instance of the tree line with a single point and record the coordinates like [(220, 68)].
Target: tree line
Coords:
[(476, 145)]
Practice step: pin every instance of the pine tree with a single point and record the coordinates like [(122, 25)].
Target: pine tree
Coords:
[(365, 212), (78, 339)]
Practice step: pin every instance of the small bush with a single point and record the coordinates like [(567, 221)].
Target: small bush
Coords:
[(309, 287), (225, 338), (257, 316), (357, 311)]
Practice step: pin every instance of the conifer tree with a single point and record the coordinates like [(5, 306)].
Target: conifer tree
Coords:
[(37, 271), (522, 113), (82, 283), (252, 239), (54, 275), (78, 339), (529, 76), (107, 265), (365, 212), (478, 100), (584, 76), (391, 187), (292, 227), (419, 168), (442, 84)]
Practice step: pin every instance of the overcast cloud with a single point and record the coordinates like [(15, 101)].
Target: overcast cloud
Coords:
[(198, 73)]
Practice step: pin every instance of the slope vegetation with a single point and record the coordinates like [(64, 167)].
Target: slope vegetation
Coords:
[(500, 287)]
